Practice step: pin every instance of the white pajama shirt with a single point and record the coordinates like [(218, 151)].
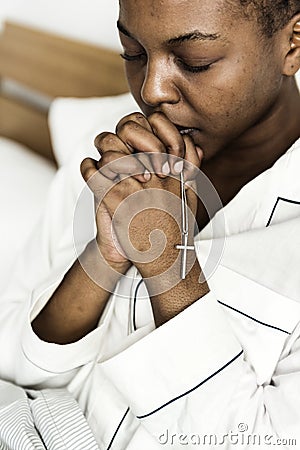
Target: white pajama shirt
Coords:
[(225, 373)]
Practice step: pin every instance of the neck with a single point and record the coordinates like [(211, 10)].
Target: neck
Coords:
[(259, 148)]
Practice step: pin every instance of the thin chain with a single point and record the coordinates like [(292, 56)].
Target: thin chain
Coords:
[(184, 209)]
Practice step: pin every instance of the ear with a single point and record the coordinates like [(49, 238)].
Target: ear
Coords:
[(292, 52)]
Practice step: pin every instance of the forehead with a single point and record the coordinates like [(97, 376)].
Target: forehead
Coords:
[(167, 18)]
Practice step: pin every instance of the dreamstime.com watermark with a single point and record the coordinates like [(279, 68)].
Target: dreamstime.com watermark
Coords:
[(241, 438)]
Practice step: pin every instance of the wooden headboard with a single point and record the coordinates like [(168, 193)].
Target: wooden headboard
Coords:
[(52, 66)]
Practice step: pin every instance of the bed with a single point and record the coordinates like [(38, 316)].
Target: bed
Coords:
[(56, 94)]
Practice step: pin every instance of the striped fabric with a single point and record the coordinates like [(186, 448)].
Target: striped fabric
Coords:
[(48, 419)]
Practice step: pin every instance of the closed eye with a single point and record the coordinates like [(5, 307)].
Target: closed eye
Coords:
[(137, 57), (194, 69), (184, 65)]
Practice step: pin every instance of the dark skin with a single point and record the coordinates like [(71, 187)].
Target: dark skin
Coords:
[(241, 134), (191, 65)]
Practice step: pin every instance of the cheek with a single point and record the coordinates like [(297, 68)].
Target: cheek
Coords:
[(232, 99)]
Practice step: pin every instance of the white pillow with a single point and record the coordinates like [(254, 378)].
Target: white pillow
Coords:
[(75, 122), (24, 181)]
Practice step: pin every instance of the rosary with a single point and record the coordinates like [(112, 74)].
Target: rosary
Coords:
[(184, 247)]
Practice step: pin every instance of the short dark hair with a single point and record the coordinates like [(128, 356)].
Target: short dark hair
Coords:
[(272, 15)]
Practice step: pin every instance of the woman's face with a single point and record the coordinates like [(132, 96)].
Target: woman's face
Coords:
[(204, 66)]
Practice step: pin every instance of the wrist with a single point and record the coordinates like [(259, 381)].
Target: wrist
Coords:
[(168, 304), (103, 273)]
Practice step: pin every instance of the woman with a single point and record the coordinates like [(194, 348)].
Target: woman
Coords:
[(206, 363)]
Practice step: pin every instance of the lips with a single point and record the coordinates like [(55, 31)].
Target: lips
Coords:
[(186, 130)]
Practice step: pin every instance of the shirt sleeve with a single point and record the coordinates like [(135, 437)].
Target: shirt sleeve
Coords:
[(62, 361), (43, 262), (41, 266), (194, 377)]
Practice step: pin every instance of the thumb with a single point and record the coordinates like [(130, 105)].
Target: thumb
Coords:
[(96, 181)]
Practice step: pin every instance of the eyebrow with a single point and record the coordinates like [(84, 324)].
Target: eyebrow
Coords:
[(195, 35)]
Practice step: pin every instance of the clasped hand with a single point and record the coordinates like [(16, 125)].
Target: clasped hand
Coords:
[(137, 191)]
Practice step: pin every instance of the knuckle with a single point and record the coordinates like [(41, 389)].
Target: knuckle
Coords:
[(177, 147), (105, 140), (98, 139), (109, 141), (136, 117), (128, 127)]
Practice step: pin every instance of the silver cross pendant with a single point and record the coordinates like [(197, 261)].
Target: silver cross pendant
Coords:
[(184, 247)]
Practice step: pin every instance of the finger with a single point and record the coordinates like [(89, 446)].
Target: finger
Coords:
[(139, 139), (98, 184), (120, 192), (110, 142), (134, 117), (88, 168), (104, 189), (193, 158), (142, 143), (115, 165), (168, 134)]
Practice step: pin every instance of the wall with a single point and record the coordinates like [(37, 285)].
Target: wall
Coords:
[(88, 20)]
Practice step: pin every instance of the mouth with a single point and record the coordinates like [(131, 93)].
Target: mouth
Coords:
[(186, 130)]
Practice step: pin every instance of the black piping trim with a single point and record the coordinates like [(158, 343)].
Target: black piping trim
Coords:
[(117, 430), (253, 318), (134, 304), (194, 388), (294, 202)]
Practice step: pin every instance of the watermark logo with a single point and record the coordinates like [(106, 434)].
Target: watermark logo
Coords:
[(145, 200), (242, 437)]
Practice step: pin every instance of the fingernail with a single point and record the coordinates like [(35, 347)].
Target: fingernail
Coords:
[(178, 167), (147, 175), (166, 168)]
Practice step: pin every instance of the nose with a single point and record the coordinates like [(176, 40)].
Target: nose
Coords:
[(159, 86)]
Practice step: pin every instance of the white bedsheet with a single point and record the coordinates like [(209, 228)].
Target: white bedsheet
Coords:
[(24, 181)]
